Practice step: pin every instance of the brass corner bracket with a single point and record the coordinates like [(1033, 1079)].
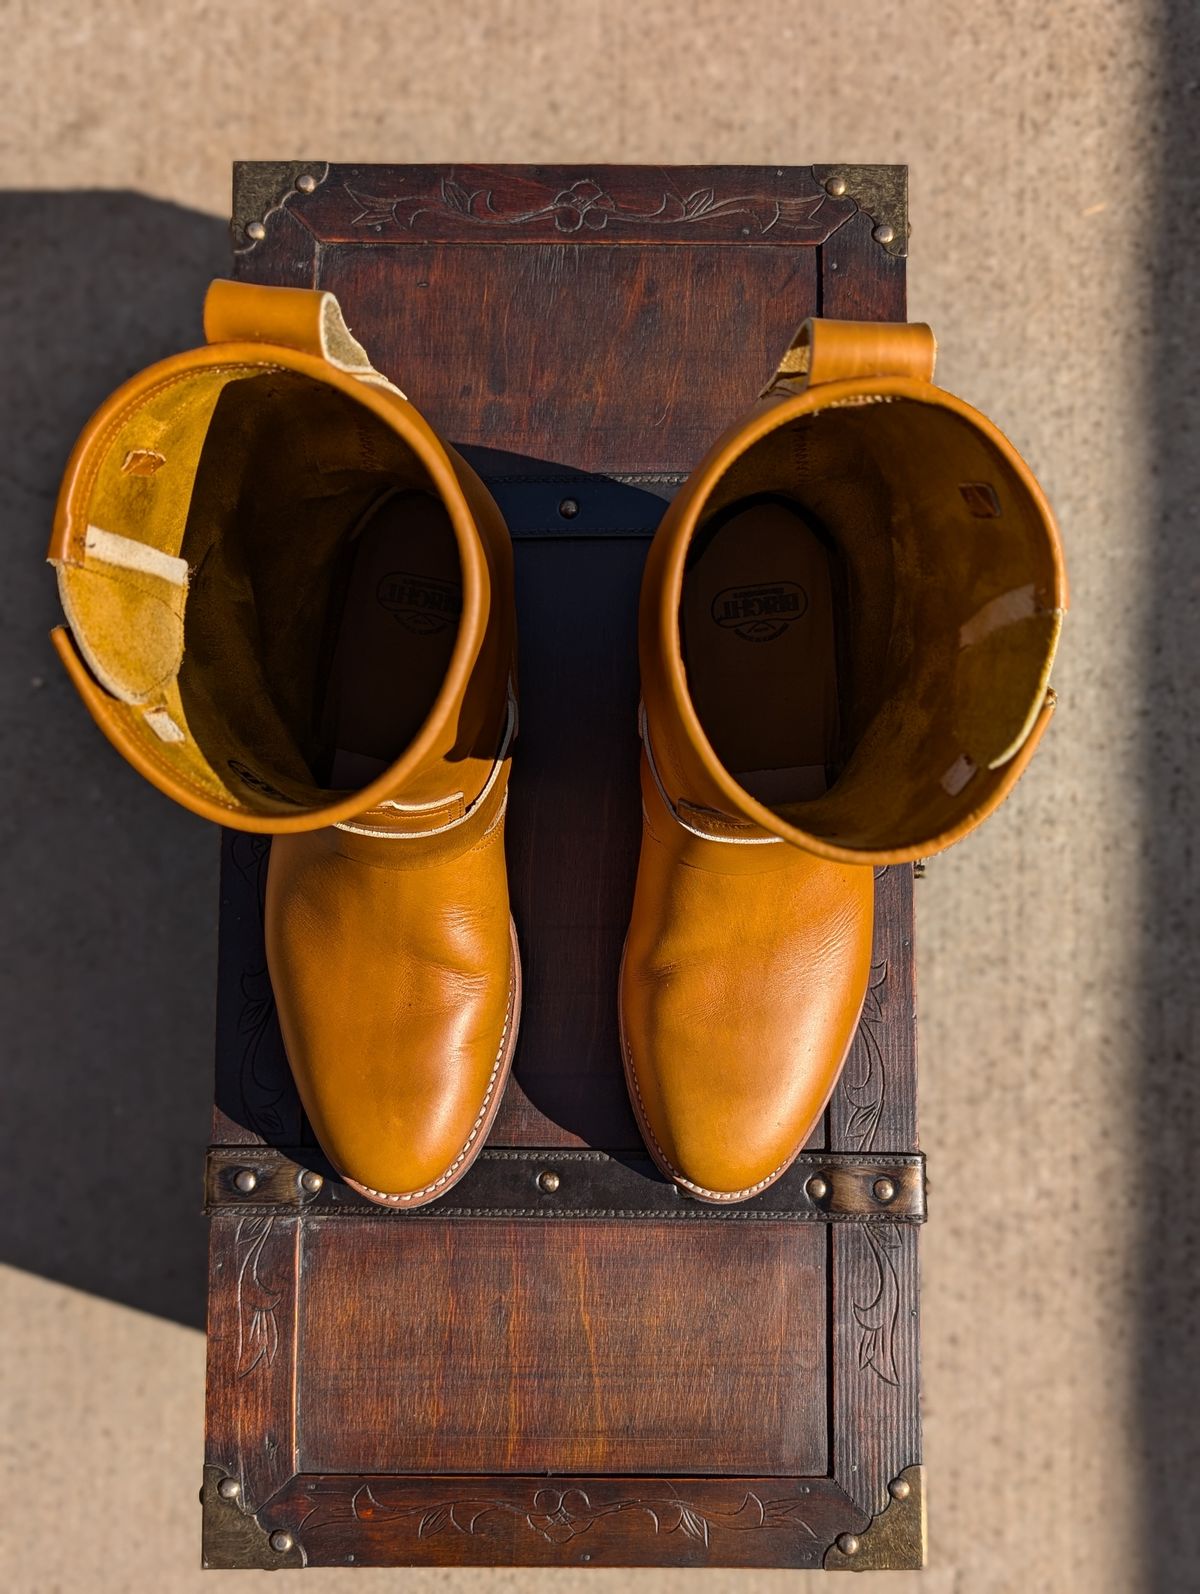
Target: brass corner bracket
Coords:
[(895, 1540), (881, 192), (260, 188), (234, 1537)]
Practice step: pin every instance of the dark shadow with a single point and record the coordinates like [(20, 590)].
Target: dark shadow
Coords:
[(107, 974), (1164, 1174), (108, 988)]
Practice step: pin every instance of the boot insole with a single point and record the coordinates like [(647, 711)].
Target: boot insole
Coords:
[(759, 646), (399, 620)]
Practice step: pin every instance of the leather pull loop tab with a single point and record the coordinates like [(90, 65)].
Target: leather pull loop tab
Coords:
[(836, 351), (307, 319)]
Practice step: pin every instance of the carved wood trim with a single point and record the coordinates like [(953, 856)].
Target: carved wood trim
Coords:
[(535, 1521), (772, 205), (252, 1352), (875, 1363), (873, 1108)]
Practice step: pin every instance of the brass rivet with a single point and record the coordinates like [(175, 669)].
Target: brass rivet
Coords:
[(256, 230), (848, 1544), (883, 234), (817, 1187), (899, 1488), (246, 1180), (281, 1541), (569, 508), (836, 186), (884, 1189), (306, 184), (229, 1488), (549, 1181), (311, 1181)]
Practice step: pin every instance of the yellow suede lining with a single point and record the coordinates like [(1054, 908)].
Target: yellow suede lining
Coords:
[(259, 477), (946, 587)]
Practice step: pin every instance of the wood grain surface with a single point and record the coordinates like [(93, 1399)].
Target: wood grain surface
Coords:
[(512, 1390)]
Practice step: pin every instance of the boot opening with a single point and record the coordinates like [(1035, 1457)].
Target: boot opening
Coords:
[(870, 609), (325, 592), (265, 576), (759, 638)]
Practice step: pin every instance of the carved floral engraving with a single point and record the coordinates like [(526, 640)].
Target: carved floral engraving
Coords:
[(864, 1084), (558, 1515), (586, 205), (877, 1317), (257, 1299)]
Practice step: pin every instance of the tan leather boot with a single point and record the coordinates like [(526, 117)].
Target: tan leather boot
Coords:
[(847, 624), (290, 607)]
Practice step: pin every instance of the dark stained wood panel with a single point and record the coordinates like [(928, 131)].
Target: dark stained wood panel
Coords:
[(601, 359), (452, 1348)]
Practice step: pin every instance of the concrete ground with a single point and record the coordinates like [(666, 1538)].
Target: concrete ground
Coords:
[(1054, 205)]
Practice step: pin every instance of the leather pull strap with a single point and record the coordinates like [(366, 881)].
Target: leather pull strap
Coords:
[(307, 319), (837, 351)]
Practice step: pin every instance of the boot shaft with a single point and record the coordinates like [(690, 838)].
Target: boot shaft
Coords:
[(201, 544), (946, 590)]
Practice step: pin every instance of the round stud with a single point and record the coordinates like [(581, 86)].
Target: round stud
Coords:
[(307, 183), (311, 1181), (817, 1187), (836, 186), (548, 1181), (883, 234), (246, 1180), (569, 508), (848, 1543), (884, 1189), (229, 1488), (899, 1488), (281, 1541), (257, 231)]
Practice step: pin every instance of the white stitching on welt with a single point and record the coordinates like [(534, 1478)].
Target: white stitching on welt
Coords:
[(713, 1195), (412, 1195)]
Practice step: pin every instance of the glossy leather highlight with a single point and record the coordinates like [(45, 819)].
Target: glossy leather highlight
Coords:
[(742, 981)]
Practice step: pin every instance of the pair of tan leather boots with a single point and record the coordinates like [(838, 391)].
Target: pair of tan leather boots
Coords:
[(290, 606)]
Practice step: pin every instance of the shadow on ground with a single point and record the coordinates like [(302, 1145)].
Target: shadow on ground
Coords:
[(106, 974), (1163, 1169)]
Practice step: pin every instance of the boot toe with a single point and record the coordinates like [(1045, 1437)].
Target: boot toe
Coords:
[(419, 1140), (733, 1042), (718, 1145)]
